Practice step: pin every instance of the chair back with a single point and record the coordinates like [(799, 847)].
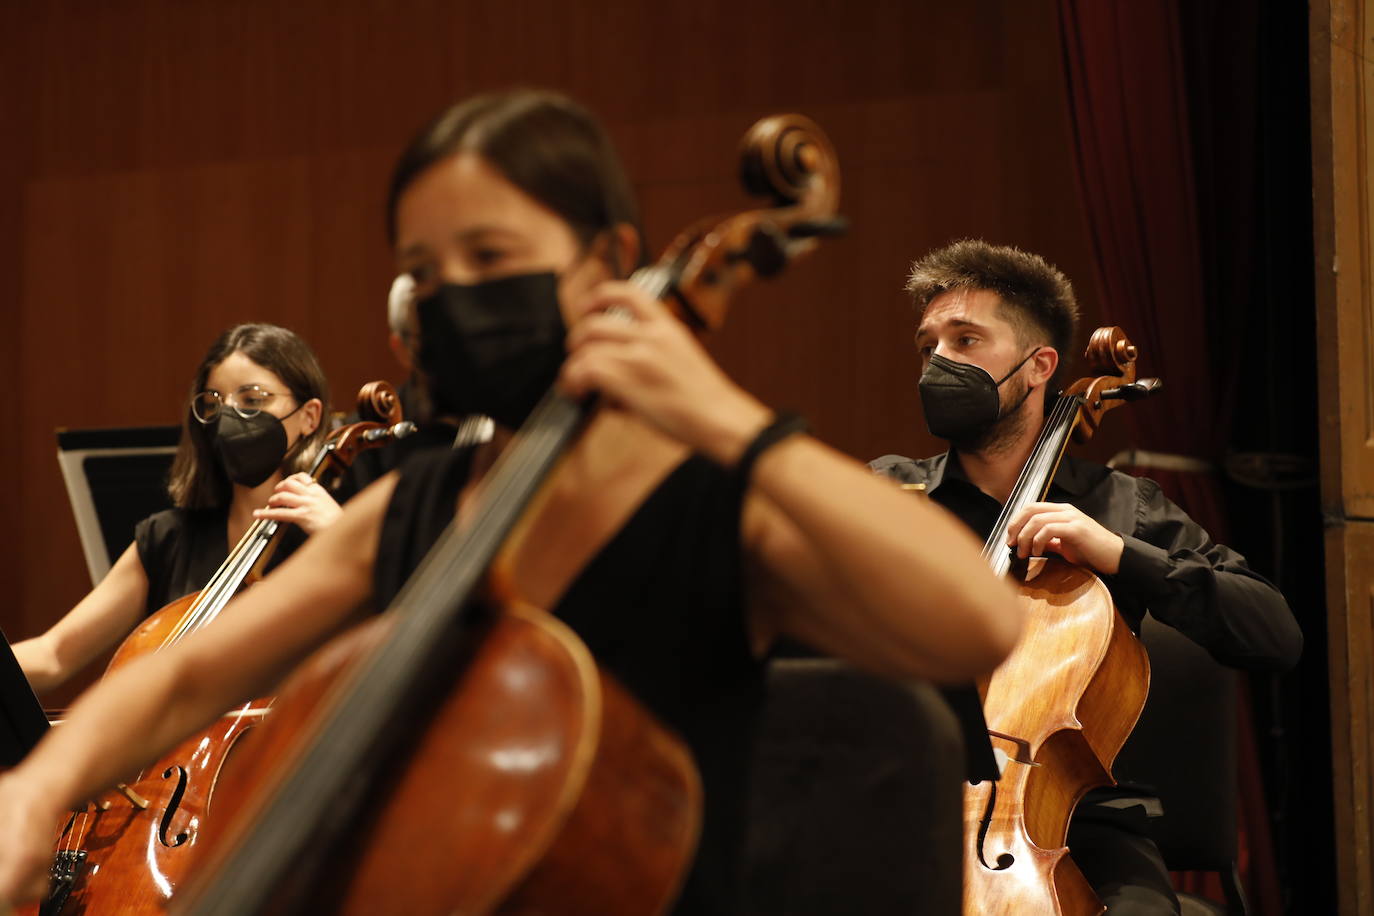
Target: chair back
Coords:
[(1184, 747), (856, 796)]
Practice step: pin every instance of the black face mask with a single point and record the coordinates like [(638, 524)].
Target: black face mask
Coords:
[(960, 400), (250, 450), (492, 348)]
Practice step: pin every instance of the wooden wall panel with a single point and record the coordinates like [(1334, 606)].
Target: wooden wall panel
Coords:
[(1348, 265), (16, 107), (1350, 624), (1342, 79), (180, 166)]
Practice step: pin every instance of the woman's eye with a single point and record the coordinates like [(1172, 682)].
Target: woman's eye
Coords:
[(488, 257), (253, 399), (967, 341)]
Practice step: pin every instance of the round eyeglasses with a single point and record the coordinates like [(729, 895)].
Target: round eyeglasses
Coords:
[(248, 402)]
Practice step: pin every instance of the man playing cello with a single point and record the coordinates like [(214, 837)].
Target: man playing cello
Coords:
[(994, 322)]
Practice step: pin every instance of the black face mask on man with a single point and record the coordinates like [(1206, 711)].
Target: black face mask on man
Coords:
[(492, 348), (250, 449), (961, 400)]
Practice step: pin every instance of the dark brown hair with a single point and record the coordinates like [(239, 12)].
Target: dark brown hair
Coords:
[(543, 143), (1037, 299), (197, 480)]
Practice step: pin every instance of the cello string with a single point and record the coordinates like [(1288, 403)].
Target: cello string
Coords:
[(224, 584), (1032, 482), (226, 571), (245, 556), (1031, 477), (218, 582)]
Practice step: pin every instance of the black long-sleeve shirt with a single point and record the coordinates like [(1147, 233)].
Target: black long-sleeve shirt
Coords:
[(1170, 566)]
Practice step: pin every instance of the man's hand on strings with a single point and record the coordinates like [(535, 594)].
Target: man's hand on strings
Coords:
[(1043, 528)]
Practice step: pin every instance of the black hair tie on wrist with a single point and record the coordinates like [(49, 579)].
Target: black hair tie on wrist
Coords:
[(784, 424)]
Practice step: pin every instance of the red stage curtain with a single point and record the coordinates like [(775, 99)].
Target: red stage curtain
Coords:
[(1129, 94)]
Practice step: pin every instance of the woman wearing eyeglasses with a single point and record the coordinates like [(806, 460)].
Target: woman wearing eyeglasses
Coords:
[(253, 424)]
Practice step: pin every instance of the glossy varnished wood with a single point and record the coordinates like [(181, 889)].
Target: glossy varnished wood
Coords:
[(136, 857), (153, 633), (1342, 33), (540, 786), (1071, 690)]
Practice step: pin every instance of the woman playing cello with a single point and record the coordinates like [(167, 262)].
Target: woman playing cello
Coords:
[(253, 423), (675, 565)]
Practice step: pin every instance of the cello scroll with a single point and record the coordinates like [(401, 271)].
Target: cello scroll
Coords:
[(1113, 356), (786, 158)]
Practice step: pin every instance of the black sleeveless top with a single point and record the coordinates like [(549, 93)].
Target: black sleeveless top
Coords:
[(661, 607), (180, 549)]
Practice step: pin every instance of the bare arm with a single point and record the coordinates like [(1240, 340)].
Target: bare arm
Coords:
[(846, 562), (145, 708), (854, 567), (98, 621)]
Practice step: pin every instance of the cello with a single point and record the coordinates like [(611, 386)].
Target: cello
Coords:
[(126, 851), (1060, 707), (458, 684)]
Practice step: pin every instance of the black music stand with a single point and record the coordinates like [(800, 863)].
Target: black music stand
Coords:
[(115, 478)]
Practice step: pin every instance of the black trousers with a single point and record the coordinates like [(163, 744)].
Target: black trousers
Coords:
[(1114, 850)]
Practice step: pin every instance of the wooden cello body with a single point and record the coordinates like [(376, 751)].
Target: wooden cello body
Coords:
[(128, 849), (1061, 706), (411, 733), (547, 788), (1065, 722)]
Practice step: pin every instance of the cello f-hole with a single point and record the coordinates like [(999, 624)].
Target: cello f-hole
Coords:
[(172, 808), (1006, 859)]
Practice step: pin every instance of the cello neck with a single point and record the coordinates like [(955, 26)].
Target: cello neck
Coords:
[(244, 562), (1035, 478), (435, 628), (224, 584)]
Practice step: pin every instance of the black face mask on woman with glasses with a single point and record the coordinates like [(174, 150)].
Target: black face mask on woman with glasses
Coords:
[(249, 449)]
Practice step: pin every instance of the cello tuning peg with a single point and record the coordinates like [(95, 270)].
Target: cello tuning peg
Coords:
[(766, 251), (1141, 388), (830, 227)]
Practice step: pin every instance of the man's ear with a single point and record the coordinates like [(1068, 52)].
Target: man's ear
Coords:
[(1043, 365)]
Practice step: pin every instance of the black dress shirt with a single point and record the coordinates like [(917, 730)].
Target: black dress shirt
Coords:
[(1170, 568)]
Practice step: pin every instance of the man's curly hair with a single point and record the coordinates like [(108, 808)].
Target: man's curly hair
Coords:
[(1037, 299)]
